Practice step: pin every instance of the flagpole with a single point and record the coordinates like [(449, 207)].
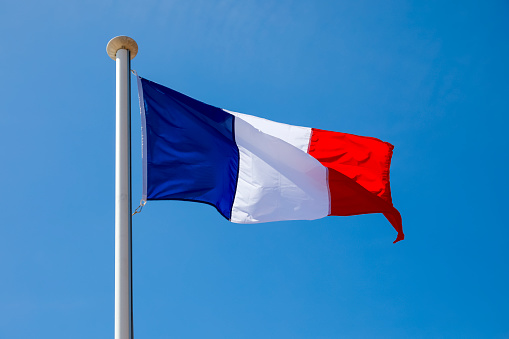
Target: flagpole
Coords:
[(122, 49)]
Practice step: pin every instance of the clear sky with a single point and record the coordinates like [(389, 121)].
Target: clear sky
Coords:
[(431, 77)]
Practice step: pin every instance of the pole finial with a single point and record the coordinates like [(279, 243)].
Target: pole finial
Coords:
[(121, 42)]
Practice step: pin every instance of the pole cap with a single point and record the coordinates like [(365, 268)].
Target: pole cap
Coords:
[(121, 42)]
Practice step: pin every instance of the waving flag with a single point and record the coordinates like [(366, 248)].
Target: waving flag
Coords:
[(255, 170)]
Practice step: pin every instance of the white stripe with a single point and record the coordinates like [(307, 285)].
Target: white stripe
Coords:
[(277, 179), (294, 135)]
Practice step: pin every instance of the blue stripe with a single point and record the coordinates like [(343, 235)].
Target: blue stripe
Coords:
[(191, 149)]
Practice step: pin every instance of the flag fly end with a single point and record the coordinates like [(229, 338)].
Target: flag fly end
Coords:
[(400, 237)]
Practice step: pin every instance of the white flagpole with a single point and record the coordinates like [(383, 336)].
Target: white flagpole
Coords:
[(122, 49)]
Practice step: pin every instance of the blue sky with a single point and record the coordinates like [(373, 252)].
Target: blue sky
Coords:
[(428, 76)]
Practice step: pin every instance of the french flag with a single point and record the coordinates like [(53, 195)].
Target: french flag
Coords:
[(255, 170)]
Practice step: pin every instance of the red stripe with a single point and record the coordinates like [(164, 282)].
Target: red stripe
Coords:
[(358, 174)]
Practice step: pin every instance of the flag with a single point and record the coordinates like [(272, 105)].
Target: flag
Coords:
[(255, 170)]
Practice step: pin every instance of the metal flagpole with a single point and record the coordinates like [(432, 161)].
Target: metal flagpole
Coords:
[(122, 49)]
